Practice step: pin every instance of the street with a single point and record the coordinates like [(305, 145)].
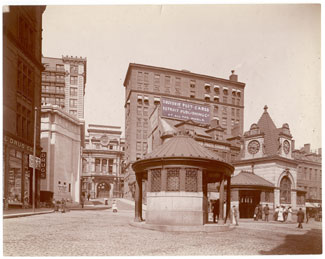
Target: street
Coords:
[(104, 233)]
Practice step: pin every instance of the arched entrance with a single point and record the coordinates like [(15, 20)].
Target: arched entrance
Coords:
[(248, 200), (103, 189), (285, 190)]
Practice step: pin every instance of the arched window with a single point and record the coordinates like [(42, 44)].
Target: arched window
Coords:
[(285, 190)]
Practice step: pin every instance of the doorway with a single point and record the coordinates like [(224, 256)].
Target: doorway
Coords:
[(103, 190), (248, 200)]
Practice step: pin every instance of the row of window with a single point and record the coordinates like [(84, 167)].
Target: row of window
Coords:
[(26, 35), (310, 174), (142, 134), (24, 122), (25, 79), (173, 180), (53, 100), (143, 124)]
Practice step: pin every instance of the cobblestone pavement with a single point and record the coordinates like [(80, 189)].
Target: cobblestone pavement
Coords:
[(104, 233)]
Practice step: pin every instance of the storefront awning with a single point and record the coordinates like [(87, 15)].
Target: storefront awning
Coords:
[(312, 204)]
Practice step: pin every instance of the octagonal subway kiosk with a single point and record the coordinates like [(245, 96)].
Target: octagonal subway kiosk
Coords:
[(177, 174)]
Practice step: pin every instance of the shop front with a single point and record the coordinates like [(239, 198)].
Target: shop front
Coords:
[(18, 174)]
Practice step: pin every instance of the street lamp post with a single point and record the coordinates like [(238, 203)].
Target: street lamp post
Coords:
[(34, 158)]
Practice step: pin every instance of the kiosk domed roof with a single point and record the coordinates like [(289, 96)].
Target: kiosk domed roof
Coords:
[(183, 146)]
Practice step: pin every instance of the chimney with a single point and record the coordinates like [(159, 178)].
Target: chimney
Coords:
[(307, 148), (233, 77)]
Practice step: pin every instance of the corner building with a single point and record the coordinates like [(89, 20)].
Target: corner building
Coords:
[(22, 67), (145, 86)]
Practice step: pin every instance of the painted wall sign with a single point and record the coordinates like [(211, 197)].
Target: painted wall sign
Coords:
[(182, 110)]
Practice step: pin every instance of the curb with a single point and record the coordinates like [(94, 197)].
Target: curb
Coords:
[(91, 208), (10, 216)]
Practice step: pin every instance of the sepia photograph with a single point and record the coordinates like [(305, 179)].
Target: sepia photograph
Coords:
[(168, 128)]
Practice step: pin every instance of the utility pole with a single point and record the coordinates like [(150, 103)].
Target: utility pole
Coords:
[(34, 158)]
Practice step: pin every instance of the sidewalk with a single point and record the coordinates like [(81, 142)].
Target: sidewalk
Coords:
[(14, 213)]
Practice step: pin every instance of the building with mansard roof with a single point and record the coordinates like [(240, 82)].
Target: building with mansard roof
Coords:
[(266, 154)]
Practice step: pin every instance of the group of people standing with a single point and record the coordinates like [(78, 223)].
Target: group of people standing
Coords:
[(282, 214)]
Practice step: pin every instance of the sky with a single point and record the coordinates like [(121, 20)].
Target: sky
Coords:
[(274, 49)]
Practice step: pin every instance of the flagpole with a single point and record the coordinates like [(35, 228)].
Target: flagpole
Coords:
[(34, 158)]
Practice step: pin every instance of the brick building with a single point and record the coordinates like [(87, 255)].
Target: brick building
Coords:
[(309, 175), (22, 67), (146, 86)]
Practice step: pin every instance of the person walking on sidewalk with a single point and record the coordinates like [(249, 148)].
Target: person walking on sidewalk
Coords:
[(215, 210), (256, 213), (88, 196), (234, 215), (82, 201), (300, 218), (280, 214), (266, 212), (289, 218)]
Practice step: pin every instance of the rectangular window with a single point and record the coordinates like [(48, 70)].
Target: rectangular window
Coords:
[(224, 122), (167, 80), (139, 110), (145, 123), (59, 68), (178, 81), (157, 79), (146, 77), (237, 112), (104, 165), (97, 165), (232, 111), (224, 110), (26, 35), (145, 111), (73, 103), (155, 180), (140, 76), (25, 78), (139, 122), (238, 101), (173, 179), (73, 69), (110, 165), (192, 83), (73, 80), (233, 101), (145, 147), (145, 134), (138, 146), (191, 180), (138, 133), (225, 99), (73, 91)]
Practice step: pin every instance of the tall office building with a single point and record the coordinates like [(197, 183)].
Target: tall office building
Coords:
[(147, 87), (22, 52), (64, 83)]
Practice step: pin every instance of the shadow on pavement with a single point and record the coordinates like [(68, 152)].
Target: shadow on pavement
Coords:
[(308, 243)]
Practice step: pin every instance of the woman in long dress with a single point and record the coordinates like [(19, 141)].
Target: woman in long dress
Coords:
[(289, 219), (280, 214)]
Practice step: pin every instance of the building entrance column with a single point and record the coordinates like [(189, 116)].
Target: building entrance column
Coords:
[(138, 198), (221, 197), (228, 199)]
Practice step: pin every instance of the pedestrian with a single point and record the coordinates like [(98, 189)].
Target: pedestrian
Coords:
[(215, 210), (260, 212), (307, 216), (88, 196), (266, 212), (289, 218), (280, 214), (82, 200), (285, 213), (276, 212), (234, 215), (114, 206), (255, 213), (300, 218)]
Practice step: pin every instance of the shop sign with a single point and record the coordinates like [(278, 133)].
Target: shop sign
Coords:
[(31, 162), (43, 165), (17, 143), (181, 110)]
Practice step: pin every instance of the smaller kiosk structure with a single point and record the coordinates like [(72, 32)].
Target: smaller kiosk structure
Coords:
[(178, 173)]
